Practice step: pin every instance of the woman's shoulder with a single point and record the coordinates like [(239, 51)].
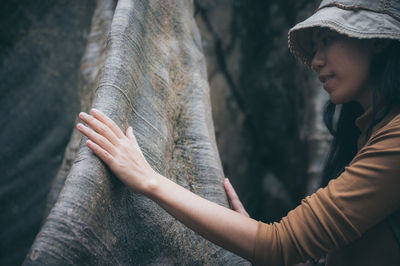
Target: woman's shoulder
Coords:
[(390, 122), (387, 132), (396, 119)]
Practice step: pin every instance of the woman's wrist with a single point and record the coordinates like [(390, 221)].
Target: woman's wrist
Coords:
[(211, 220), (151, 184)]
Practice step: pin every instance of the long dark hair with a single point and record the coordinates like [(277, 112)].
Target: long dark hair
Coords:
[(385, 81)]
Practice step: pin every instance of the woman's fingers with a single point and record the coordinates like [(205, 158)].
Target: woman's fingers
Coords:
[(107, 121), (103, 154), (99, 127), (96, 138), (236, 204), (230, 190), (131, 136), (120, 152)]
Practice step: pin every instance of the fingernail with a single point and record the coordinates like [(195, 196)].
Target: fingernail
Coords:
[(94, 110), (79, 126), (131, 129), (82, 114)]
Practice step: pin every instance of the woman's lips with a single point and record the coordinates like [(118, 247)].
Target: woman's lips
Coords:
[(327, 81)]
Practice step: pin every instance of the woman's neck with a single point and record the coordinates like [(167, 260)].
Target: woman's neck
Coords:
[(365, 98)]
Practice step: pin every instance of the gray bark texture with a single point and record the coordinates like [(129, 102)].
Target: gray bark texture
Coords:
[(143, 66)]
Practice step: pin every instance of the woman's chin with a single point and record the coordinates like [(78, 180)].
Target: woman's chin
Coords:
[(339, 99), (335, 100)]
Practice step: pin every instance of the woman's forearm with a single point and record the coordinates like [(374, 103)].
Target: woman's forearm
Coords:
[(222, 226)]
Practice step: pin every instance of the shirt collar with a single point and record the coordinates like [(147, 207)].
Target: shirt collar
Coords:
[(364, 121)]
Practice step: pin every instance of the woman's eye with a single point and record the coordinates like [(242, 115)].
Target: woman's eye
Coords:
[(313, 48), (326, 40)]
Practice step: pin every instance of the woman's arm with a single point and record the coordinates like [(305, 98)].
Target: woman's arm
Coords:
[(223, 226), (226, 228)]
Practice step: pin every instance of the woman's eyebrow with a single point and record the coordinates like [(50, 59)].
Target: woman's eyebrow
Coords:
[(316, 34), (320, 31)]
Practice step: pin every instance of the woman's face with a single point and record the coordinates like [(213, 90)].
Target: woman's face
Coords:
[(343, 66)]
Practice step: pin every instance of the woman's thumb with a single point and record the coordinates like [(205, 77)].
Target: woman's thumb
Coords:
[(129, 133)]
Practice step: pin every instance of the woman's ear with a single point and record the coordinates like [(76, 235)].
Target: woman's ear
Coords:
[(378, 45)]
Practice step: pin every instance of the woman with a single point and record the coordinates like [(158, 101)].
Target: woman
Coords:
[(353, 47)]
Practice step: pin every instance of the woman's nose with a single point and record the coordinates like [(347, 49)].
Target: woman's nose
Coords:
[(318, 60)]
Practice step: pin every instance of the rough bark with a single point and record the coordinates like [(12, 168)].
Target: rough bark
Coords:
[(152, 76)]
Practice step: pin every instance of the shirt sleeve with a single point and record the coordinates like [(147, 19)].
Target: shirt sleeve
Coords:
[(362, 196)]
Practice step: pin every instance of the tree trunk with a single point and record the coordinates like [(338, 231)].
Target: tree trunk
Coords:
[(150, 75)]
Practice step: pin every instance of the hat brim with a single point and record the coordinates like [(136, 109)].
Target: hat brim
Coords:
[(359, 24)]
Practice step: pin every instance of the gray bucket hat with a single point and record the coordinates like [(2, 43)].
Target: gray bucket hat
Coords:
[(362, 19)]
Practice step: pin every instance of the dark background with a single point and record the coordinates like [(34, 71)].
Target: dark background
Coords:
[(265, 105), (41, 46)]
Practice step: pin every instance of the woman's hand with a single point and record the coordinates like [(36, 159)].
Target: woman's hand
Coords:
[(122, 154), (119, 151), (233, 198)]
